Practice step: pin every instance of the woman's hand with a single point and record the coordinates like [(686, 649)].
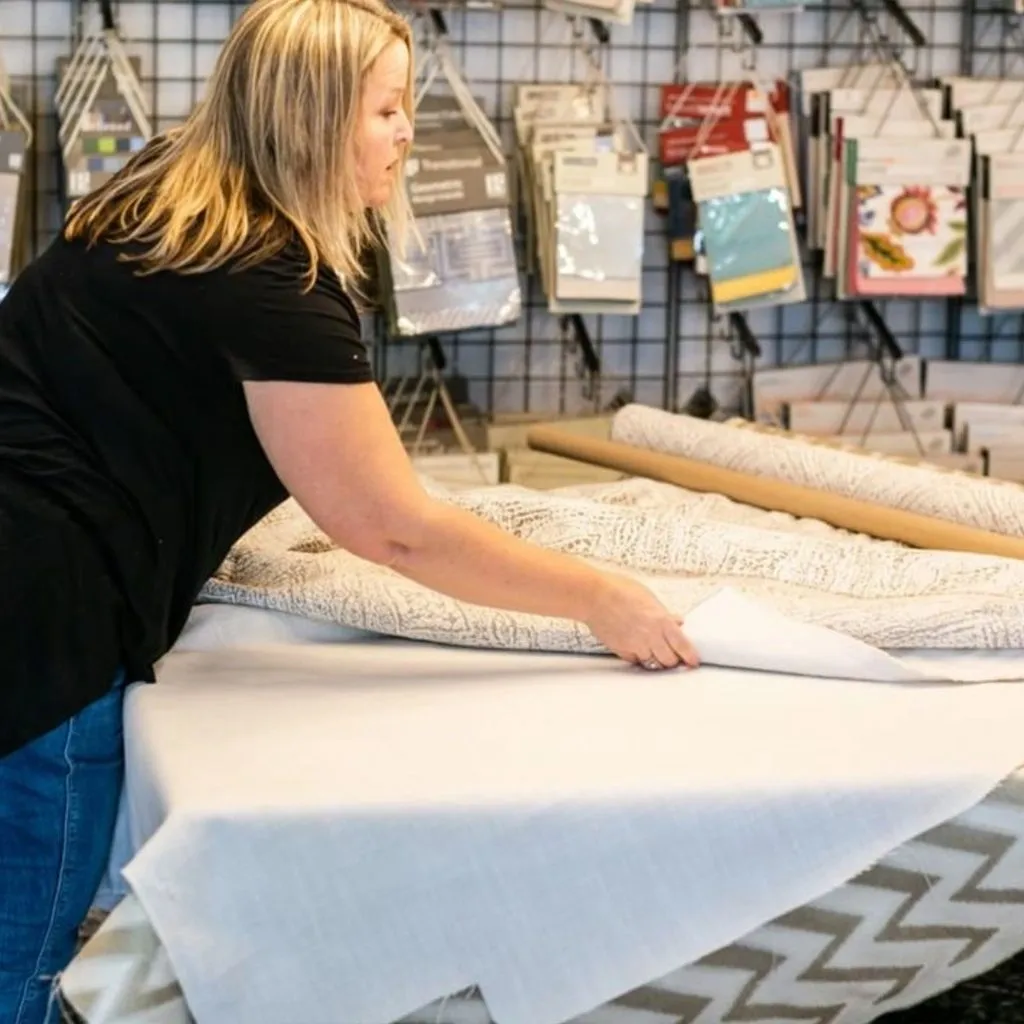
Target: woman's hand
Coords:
[(634, 625), (336, 449)]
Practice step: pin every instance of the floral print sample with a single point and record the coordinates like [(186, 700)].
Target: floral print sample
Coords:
[(910, 239)]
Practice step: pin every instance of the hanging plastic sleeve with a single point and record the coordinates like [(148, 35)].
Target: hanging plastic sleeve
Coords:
[(599, 214), (746, 223), (458, 271)]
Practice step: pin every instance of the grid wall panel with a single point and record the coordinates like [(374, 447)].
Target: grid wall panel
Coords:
[(666, 352)]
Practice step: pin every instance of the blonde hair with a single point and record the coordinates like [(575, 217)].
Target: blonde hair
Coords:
[(268, 154)]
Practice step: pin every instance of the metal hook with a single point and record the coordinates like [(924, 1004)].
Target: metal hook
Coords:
[(743, 44), (107, 16)]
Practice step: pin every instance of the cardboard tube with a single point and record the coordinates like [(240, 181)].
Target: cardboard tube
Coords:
[(909, 528)]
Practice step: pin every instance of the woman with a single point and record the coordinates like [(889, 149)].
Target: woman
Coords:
[(179, 361)]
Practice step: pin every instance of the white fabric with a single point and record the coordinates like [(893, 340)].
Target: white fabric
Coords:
[(340, 831), (210, 628), (732, 630)]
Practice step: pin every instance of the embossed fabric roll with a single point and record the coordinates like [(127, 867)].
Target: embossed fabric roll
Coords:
[(958, 498), (684, 546)]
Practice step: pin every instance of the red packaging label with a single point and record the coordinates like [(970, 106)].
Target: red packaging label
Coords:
[(677, 145), (698, 100)]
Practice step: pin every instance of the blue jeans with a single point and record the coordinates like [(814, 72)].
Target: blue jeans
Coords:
[(58, 805)]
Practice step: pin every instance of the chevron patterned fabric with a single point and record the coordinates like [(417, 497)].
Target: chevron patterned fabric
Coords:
[(995, 997), (945, 907)]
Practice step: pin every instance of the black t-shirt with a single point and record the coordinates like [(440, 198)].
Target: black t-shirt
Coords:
[(128, 464)]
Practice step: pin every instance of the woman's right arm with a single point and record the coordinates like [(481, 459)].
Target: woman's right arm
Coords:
[(337, 452)]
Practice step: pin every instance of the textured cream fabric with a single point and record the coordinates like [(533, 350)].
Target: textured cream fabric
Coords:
[(685, 546), (994, 505)]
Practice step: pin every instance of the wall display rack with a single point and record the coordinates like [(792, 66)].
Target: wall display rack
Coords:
[(677, 350)]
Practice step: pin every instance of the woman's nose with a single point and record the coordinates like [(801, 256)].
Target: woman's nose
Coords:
[(404, 129)]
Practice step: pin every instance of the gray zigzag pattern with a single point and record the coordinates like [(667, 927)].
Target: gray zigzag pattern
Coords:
[(914, 886), (745, 967)]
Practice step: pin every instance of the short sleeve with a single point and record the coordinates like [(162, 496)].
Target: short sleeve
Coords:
[(278, 330)]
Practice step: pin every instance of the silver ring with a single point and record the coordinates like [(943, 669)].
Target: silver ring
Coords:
[(651, 663)]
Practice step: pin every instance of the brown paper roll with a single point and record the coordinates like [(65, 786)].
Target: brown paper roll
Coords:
[(777, 496)]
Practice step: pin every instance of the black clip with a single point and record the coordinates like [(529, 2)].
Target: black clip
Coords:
[(746, 350), (747, 343), (751, 29), (905, 22), (107, 16), (889, 351), (576, 336), (895, 9), (600, 30), (434, 352), (437, 18)]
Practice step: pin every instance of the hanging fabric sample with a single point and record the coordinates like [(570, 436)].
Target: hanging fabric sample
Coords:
[(1001, 274), (102, 111), (548, 118), (461, 273), (459, 269), (585, 178), (747, 228), (599, 229), (877, 108), (906, 224), (822, 94), (991, 116), (700, 119), (682, 213), (546, 143), (989, 113), (709, 118), (900, 120)]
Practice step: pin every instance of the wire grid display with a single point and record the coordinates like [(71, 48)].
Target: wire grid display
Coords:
[(673, 346)]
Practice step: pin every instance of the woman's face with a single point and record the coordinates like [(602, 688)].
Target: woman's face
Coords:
[(384, 132)]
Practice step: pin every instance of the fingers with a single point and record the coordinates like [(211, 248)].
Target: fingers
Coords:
[(661, 644), (645, 661), (681, 645), (663, 653), (671, 650), (630, 657)]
